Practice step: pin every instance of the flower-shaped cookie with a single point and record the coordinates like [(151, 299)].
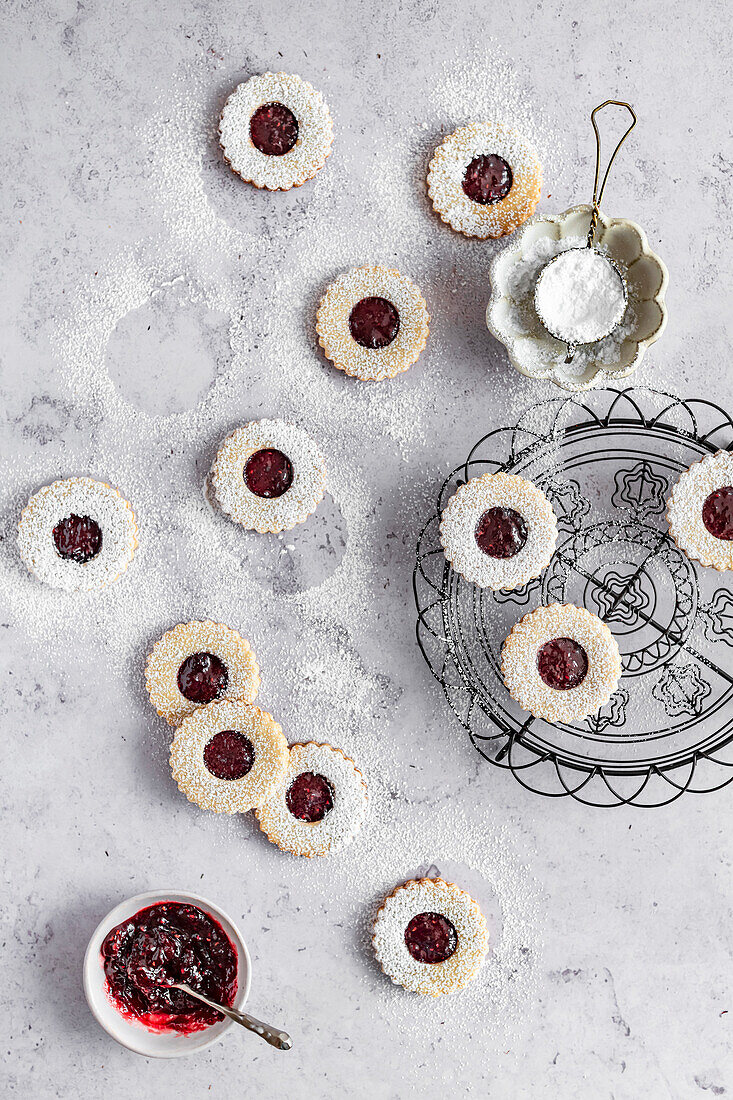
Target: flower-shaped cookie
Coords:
[(430, 937), (77, 534), (372, 323), (276, 131), (700, 511)]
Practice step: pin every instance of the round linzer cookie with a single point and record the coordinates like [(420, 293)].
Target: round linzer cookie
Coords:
[(319, 804), (700, 511), (561, 663), (197, 663), (228, 756), (430, 937), (484, 180), (77, 534), (372, 323), (269, 476), (498, 531), (275, 130)]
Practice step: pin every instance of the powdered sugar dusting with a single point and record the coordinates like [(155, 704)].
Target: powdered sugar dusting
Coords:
[(684, 510)]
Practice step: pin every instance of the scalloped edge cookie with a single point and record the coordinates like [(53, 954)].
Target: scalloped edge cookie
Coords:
[(684, 511)]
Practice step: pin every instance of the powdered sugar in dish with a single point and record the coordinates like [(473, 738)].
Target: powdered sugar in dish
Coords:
[(580, 296)]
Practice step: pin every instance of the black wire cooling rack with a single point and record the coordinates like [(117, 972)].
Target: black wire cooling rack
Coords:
[(607, 462)]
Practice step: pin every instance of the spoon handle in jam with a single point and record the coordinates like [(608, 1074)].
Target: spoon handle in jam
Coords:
[(272, 1035)]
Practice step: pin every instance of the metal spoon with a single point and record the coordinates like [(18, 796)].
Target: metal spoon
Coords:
[(279, 1039)]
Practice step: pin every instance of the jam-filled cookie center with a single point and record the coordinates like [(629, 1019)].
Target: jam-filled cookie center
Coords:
[(273, 129), (202, 678), (501, 532), (562, 663), (229, 755), (309, 797), (430, 938), (488, 178), (717, 513), (77, 538), (374, 322), (268, 473)]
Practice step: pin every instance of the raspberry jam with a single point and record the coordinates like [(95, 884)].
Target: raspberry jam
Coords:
[(268, 473), (501, 533), (309, 797), (487, 179), (430, 938), (717, 513), (562, 663), (273, 129), (202, 677), (229, 755), (77, 538), (169, 942), (374, 322)]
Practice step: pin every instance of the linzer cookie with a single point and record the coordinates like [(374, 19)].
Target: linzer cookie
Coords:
[(372, 323), (198, 663), (484, 180), (700, 511), (561, 663), (498, 531), (77, 534), (319, 804), (430, 937), (228, 756), (276, 131), (268, 475)]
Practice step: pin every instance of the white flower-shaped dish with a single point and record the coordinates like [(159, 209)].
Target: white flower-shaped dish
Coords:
[(512, 318)]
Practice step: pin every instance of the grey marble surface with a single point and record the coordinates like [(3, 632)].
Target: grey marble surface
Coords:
[(151, 303)]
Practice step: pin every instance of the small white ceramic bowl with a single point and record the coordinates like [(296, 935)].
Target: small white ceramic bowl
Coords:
[(532, 349), (133, 1035)]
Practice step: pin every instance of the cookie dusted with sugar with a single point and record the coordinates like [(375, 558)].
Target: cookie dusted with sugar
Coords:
[(498, 531), (700, 511), (228, 756), (78, 534), (561, 663), (276, 132), (372, 323), (484, 180), (319, 804), (269, 476), (430, 937), (197, 663)]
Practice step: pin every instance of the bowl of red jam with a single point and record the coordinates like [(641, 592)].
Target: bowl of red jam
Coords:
[(144, 945)]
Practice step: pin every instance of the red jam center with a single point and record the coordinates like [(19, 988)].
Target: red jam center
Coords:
[(487, 179), (273, 129), (202, 677), (229, 755), (717, 513), (309, 797), (165, 943), (268, 473), (77, 538), (430, 938), (562, 663), (374, 322), (501, 532)]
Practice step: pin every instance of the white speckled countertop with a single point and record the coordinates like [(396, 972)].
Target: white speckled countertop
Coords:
[(152, 302)]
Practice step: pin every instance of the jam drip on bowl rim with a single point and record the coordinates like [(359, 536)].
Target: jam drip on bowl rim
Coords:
[(77, 538), (487, 179), (165, 943), (229, 755), (717, 513), (309, 797), (562, 663), (374, 322), (430, 938), (268, 473), (273, 129), (202, 678), (501, 532)]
